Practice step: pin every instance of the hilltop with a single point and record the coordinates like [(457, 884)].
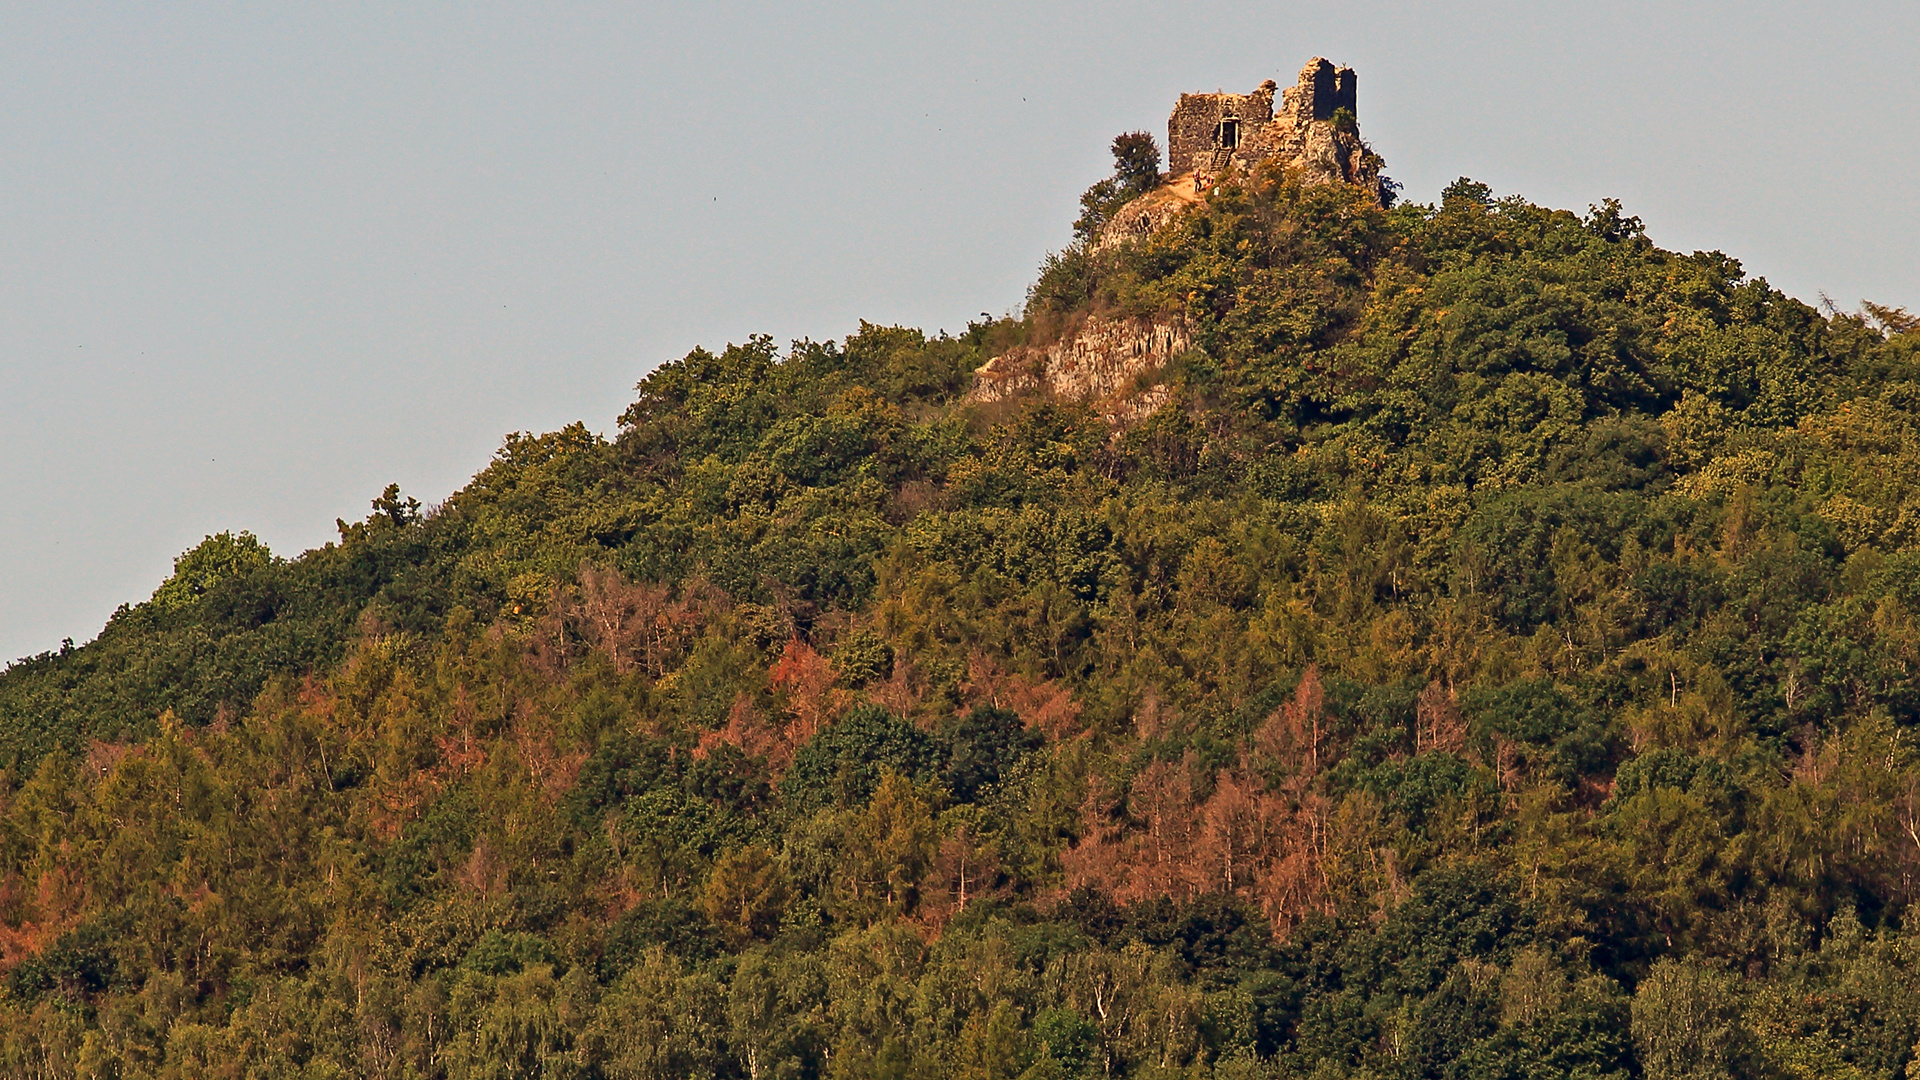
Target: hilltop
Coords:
[(1322, 635)]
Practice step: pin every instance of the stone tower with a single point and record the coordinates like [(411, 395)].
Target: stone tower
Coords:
[(1214, 134)]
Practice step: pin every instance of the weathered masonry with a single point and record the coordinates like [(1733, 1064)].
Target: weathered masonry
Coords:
[(1312, 132), (1212, 134)]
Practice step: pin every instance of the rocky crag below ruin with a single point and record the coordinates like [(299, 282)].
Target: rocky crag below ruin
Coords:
[(1107, 362)]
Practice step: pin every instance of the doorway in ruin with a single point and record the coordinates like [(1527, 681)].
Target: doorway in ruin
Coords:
[(1229, 137)]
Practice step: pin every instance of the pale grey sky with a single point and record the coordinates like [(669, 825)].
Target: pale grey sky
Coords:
[(261, 259)]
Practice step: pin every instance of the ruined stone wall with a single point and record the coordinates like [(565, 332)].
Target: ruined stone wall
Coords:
[(1296, 135), (1346, 91), (1193, 131), (1321, 89)]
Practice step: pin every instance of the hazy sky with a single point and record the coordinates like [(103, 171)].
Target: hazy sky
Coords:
[(262, 259)]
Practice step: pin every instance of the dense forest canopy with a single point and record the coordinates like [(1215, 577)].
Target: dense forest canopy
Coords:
[(1499, 658)]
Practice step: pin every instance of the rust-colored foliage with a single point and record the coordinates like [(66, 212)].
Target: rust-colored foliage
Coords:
[(33, 917), (1045, 705), (1438, 722), (485, 871), (805, 679), (1292, 734), (552, 769), (1264, 840), (637, 624)]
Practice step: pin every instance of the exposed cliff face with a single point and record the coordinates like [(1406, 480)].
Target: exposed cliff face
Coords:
[(1103, 363), (1149, 213)]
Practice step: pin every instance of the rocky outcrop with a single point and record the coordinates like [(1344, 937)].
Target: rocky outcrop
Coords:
[(1147, 214), (1106, 362)]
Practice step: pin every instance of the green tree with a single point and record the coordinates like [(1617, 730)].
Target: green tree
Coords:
[(1687, 1025), (1136, 171), (217, 558)]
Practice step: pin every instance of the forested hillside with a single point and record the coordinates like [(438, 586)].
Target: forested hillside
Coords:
[(1500, 658)]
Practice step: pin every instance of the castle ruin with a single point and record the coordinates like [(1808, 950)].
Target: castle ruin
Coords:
[(1312, 132), (1214, 133), (1313, 129)]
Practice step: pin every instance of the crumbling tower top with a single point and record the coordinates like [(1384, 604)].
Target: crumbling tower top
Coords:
[(1321, 91), (1211, 133)]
